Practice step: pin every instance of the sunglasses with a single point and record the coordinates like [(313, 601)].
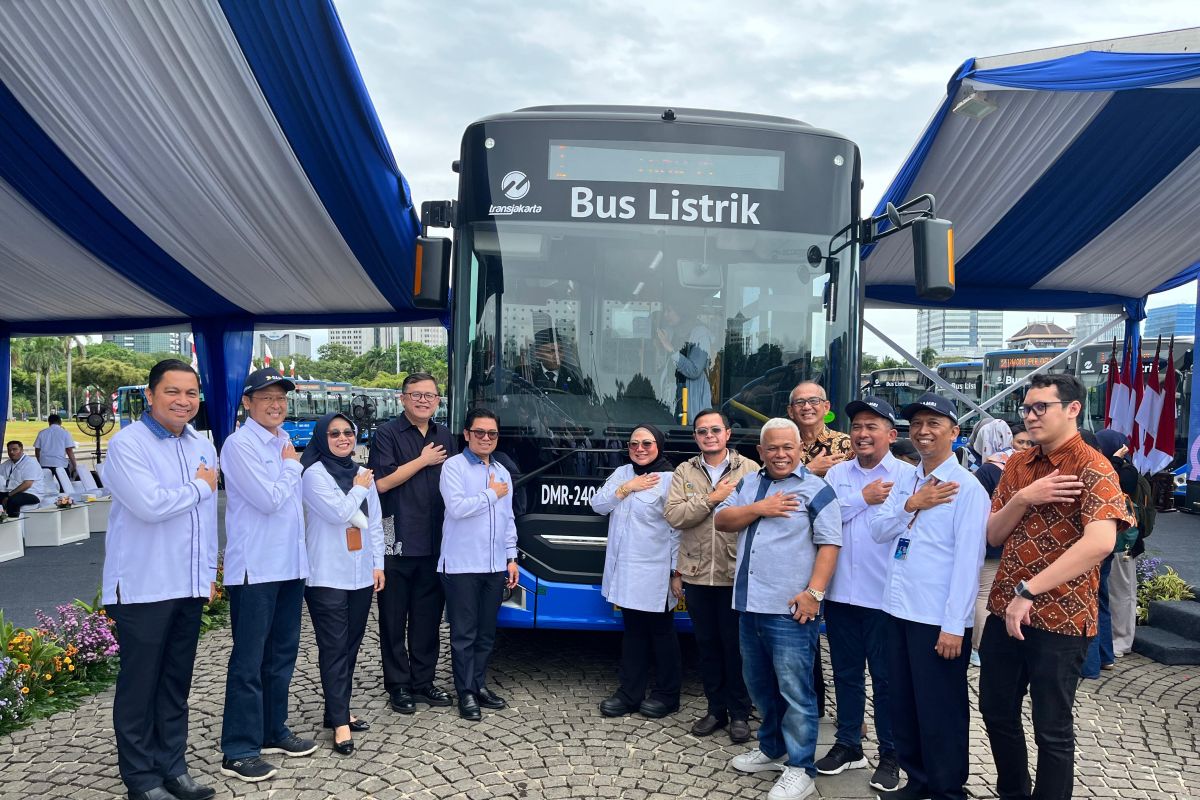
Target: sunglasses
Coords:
[(715, 430), (479, 433), (644, 444), (348, 434)]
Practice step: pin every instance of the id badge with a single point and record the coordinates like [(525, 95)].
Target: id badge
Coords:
[(902, 549)]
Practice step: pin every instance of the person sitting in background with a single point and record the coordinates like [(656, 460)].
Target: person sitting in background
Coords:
[(343, 533), (55, 449), (20, 480), (995, 446)]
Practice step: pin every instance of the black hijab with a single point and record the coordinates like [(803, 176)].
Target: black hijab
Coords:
[(342, 469), (660, 464)]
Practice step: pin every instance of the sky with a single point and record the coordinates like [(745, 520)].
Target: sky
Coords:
[(873, 71)]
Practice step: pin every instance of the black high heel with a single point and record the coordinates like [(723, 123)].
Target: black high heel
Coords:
[(356, 726), (343, 748)]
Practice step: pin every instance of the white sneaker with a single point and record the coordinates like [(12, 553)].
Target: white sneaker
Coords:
[(793, 784), (757, 761)]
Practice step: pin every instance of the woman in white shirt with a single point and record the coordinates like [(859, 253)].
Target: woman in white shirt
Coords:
[(344, 535), (638, 562)]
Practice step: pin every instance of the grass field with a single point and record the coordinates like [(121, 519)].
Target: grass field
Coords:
[(27, 431)]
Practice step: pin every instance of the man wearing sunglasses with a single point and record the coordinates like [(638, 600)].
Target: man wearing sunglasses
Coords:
[(479, 557), (266, 564), (1057, 512), (406, 457), (705, 571)]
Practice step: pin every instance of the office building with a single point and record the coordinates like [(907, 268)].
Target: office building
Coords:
[(960, 333), (151, 341), (1168, 321), (282, 344), (1087, 324), (360, 340)]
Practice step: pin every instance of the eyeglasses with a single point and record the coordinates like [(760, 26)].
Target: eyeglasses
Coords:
[(800, 402), (270, 399), (347, 434), (479, 433), (715, 430), (644, 444), (424, 396), (1039, 409)]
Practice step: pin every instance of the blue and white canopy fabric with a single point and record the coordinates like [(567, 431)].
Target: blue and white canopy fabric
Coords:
[(167, 161), (1077, 192), (208, 161)]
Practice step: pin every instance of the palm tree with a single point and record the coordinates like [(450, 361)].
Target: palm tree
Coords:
[(16, 356), (70, 345), (43, 356)]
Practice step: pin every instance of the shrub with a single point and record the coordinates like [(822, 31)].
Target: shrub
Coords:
[(1153, 584)]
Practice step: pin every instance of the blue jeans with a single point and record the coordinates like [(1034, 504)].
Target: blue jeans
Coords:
[(858, 641), (1100, 651), (265, 618), (777, 663)]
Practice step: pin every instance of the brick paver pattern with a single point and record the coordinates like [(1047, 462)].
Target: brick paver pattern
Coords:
[(1138, 737)]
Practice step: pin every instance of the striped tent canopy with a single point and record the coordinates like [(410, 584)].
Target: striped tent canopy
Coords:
[(1070, 176), (208, 162)]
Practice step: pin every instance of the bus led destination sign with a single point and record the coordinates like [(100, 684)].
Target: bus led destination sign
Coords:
[(1016, 362)]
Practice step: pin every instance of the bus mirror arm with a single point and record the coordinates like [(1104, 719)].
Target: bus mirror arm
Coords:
[(932, 239)]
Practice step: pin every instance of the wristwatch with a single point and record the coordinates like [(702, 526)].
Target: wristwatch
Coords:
[(1023, 591), (816, 595)]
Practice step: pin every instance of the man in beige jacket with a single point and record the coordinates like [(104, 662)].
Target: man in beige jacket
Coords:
[(705, 571)]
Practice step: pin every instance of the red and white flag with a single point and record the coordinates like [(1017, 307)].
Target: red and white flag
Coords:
[(114, 403), (266, 355), (1120, 400), (1159, 444), (1110, 384), (1148, 411), (292, 367), (195, 361)]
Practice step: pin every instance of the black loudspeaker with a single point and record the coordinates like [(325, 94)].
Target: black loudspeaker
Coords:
[(933, 258)]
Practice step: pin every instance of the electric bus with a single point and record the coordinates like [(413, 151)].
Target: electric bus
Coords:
[(900, 386), (1003, 368), (615, 266), (309, 402)]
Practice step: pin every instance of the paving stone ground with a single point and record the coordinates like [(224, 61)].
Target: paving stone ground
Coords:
[(1138, 737)]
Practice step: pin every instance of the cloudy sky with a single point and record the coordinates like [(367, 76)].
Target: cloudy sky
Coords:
[(874, 71)]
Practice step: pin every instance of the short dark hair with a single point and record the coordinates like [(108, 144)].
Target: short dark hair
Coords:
[(168, 365), (1016, 427), (480, 413), (416, 377), (17, 442), (1068, 386), (54, 419), (707, 411)]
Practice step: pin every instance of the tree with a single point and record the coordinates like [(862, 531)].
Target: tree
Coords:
[(108, 374), (70, 344), (929, 357), (333, 351), (42, 356)]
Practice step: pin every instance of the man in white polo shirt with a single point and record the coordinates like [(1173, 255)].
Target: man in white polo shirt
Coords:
[(55, 449), (20, 480)]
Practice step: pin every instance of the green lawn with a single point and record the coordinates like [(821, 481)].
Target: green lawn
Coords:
[(27, 431)]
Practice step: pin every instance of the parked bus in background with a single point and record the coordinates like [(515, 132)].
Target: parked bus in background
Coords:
[(310, 401), (1003, 368), (898, 385)]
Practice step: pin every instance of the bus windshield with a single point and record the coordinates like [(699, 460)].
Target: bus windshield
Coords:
[(599, 327)]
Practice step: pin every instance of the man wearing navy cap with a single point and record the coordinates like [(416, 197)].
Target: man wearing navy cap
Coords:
[(934, 523), (855, 623), (266, 563)]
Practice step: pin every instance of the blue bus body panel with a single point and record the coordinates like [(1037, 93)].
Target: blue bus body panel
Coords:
[(567, 606)]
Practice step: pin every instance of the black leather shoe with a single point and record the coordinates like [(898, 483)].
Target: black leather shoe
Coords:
[(489, 699), (356, 725), (184, 788), (343, 748), (403, 703), (615, 707), (468, 708), (432, 696), (707, 724), (157, 793), (739, 731), (656, 709)]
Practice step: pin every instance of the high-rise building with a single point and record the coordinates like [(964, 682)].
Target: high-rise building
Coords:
[(360, 340), (150, 341), (283, 343), (1174, 320), (428, 335), (1087, 324), (959, 332)]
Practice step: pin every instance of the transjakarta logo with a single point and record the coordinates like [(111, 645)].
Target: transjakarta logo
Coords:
[(737, 210), (515, 185)]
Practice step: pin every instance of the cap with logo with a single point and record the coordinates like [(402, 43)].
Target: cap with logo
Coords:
[(876, 405), (267, 376), (931, 402)]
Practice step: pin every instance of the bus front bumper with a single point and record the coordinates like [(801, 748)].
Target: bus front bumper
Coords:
[(539, 603)]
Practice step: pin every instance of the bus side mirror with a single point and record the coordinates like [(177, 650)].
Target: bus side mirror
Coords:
[(933, 257), (431, 273)]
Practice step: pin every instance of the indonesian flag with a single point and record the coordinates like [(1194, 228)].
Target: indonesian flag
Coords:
[(114, 402), (1136, 392), (195, 361), (1110, 384), (292, 367), (1149, 410), (1120, 401), (1160, 456), (266, 355)]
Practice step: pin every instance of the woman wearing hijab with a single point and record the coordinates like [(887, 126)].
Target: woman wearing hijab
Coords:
[(344, 536), (638, 563), (994, 444)]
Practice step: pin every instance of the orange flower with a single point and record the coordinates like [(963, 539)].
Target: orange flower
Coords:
[(24, 690), (70, 668)]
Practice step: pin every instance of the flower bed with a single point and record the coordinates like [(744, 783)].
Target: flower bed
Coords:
[(1155, 584)]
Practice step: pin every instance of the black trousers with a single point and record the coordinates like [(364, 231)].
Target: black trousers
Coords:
[(14, 502), (472, 605), (715, 625), (339, 618), (1048, 666), (930, 708), (150, 710), (649, 641), (410, 619)]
